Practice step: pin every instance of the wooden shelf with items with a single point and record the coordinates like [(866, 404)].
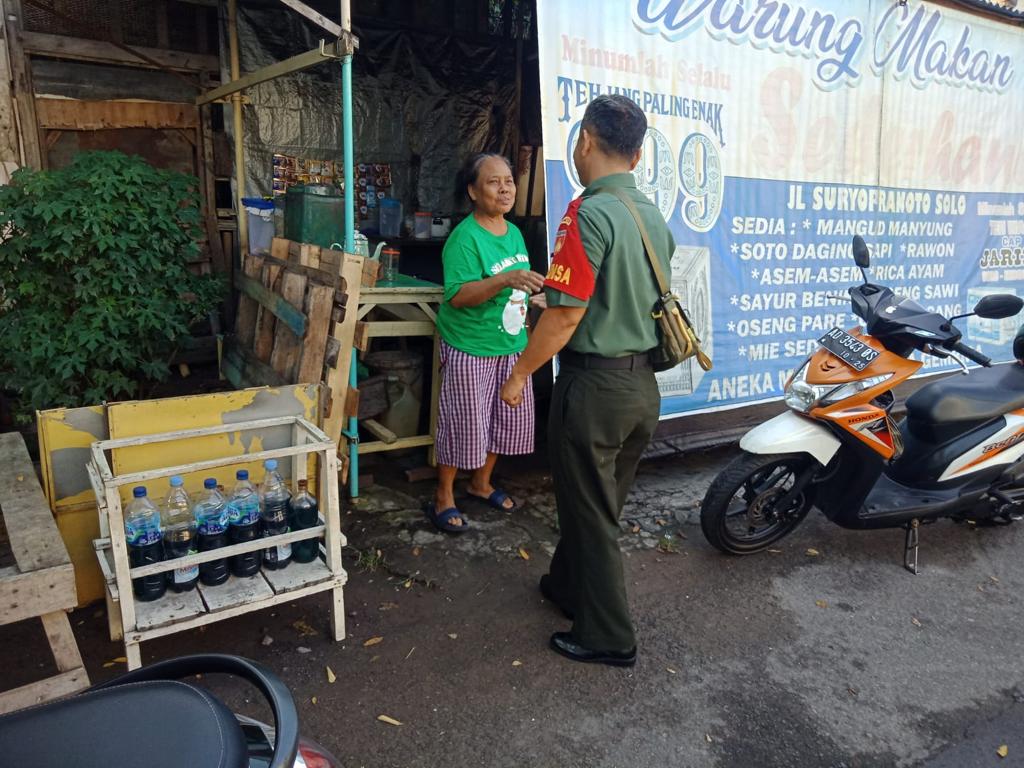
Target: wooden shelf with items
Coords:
[(177, 612)]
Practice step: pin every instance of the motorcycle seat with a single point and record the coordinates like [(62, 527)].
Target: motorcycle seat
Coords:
[(158, 724), (982, 395)]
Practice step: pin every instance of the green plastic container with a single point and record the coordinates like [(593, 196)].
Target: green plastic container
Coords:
[(310, 216)]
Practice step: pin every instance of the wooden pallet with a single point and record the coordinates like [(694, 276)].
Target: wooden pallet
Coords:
[(296, 321), (42, 583)]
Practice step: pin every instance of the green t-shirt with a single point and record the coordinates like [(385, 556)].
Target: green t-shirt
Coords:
[(498, 326), (599, 263)]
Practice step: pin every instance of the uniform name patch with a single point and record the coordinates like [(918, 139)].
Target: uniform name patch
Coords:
[(560, 273)]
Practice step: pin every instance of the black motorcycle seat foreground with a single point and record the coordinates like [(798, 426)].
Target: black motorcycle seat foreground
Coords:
[(154, 724), (984, 394)]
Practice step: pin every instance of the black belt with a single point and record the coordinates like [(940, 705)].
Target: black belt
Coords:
[(640, 362)]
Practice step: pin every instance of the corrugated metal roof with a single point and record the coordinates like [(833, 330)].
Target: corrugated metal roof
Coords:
[(1011, 9)]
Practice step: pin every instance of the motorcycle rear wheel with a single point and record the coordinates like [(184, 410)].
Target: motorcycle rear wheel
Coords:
[(737, 515)]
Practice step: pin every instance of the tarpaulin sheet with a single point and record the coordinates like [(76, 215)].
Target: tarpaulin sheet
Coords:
[(421, 102)]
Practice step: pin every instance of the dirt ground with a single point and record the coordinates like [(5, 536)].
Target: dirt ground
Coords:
[(823, 653)]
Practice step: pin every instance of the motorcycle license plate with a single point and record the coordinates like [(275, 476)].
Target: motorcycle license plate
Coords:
[(851, 350)]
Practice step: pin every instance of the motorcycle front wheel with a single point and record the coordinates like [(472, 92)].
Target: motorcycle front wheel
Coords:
[(739, 514)]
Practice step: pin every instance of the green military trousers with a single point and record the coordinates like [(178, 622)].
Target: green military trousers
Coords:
[(600, 423)]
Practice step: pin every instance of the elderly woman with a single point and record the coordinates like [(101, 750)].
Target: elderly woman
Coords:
[(482, 324)]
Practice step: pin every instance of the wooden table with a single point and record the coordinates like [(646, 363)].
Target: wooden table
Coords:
[(42, 583), (406, 306)]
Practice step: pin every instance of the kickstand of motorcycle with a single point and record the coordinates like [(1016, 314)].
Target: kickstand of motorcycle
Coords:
[(910, 546)]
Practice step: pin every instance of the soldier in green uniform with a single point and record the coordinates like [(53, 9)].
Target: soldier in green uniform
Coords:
[(600, 294)]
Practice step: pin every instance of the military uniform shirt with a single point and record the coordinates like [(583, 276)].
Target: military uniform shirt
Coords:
[(599, 263)]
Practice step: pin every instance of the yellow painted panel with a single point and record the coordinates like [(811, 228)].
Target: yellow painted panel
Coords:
[(78, 526), (149, 417), (65, 435)]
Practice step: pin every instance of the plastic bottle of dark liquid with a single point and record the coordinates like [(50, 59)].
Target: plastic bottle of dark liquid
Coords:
[(304, 513), (212, 522), (145, 544), (244, 525), (180, 536), (274, 516)]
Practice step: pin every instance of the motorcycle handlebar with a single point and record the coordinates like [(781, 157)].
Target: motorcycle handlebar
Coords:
[(971, 354)]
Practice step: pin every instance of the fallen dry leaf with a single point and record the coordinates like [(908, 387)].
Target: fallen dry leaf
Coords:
[(670, 670), (821, 603), (388, 720), (331, 677), (416, 551), (302, 627), (109, 664), (375, 658), (915, 622), (524, 554), (853, 691), (387, 606), (1003, 751), (994, 579), (708, 737), (517, 663), (313, 700), (120, 660), (659, 521), (453, 636), (813, 552), (636, 529), (407, 584), (373, 641), (775, 551)]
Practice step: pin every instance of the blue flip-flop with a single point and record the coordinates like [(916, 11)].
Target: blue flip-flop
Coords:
[(442, 520), (497, 500)]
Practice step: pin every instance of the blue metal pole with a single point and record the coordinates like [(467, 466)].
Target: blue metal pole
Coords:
[(350, 245)]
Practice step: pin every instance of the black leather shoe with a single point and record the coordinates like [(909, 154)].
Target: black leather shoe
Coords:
[(562, 642), (545, 589)]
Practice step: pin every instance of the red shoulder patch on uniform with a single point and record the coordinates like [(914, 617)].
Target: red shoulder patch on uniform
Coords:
[(570, 271)]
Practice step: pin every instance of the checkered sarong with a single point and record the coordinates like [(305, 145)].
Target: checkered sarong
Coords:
[(472, 419)]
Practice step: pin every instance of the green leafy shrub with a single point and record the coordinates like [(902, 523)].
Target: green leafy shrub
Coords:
[(95, 291)]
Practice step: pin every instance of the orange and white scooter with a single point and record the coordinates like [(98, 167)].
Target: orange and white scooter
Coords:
[(958, 454)]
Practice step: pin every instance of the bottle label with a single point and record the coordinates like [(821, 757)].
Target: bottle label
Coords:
[(284, 551), (244, 511), (141, 537), (185, 575)]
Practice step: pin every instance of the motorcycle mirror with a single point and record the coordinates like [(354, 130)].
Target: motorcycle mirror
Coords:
[(860, 252), (999, 306)]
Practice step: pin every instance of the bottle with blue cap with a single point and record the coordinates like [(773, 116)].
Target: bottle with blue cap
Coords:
[(180, 535), (244, 525), (274, 496), (211, 515), (142, 531)]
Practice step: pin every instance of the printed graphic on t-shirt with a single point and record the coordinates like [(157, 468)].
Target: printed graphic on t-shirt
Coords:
[(514, 316)]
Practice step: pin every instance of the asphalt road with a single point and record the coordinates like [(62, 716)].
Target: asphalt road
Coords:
[(824, 654)]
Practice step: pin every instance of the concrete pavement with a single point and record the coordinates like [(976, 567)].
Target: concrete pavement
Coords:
[(823, 654)]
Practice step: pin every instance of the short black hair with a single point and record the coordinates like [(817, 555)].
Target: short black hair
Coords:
[(470, 171), (617, 123)]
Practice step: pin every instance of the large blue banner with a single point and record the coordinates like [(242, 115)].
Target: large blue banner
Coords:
[(778, 131)]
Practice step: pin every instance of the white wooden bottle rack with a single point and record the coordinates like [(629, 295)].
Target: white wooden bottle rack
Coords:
[(138, 621)]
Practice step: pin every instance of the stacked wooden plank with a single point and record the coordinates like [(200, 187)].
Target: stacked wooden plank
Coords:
[(296, 320), (41, 584)]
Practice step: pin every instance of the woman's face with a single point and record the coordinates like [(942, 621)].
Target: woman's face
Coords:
[(494, 192)]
